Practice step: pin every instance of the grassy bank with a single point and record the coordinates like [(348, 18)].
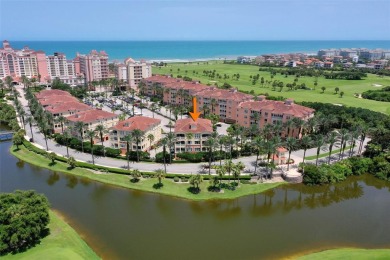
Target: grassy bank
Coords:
[(349, 87), (62, 243), (349, 253), (170, 188), (322, 155)]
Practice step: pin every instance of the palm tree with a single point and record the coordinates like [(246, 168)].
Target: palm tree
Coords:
[(291, 144), (2, 86), (61, 120), (343, 137), (331, 140), (289, 124), (136, 175), (67, 136), (298, 123), (170, 125), (353, 136), (128, 139), (79, 126), (22, 115), (276, 142), (228, 167), (171, 141), (211, 143), (363, 132), (153, 108), (306, 143), (44, 129), (221, 171), (319, 141), (150, 138), (241, 167), (159, 174), (137, 135), (258, 144), (311, 125), (30, 121), (189, 137), (101, 129), (164, 143), (8, 82), (221, 141), (213, 103), (91, 135)]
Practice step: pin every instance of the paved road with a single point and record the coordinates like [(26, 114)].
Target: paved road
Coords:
[(143, 166)]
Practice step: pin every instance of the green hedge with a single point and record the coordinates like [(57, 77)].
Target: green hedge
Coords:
[(37, 150)]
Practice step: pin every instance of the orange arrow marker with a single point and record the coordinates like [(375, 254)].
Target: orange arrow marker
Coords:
[(194, 115)]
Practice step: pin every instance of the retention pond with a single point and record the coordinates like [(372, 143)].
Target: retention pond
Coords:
[(292, 219)]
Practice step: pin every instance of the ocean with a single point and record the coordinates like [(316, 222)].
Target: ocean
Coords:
[(190, 50)]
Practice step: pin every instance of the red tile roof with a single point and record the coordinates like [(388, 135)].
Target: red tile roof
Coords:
[(52, 92), (278, 107), (142, 123), (188, 125), (55, 99), (67, 106), (224, 94), (91, 116)]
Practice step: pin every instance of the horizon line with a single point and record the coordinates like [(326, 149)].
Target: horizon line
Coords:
[(187, 40)]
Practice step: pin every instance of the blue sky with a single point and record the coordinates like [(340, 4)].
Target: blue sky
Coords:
[(195, 20)]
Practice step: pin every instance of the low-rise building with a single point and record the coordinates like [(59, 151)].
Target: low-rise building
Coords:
[(146, 124), (191, 136), (264, 112), (91, 119)]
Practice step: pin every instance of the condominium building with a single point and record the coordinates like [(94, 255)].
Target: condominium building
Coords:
[(222, 102), (137, 70), (24, 62), (59, 67), (262, 112), (93, 65), (121, 72), (146, 124), (91, 119), (60, 103), (228, 104), (191, 136)]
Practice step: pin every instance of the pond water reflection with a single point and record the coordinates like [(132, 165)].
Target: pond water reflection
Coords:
[(122, 224)]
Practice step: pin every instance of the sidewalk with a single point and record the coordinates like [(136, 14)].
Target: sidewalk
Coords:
[(186, 168)]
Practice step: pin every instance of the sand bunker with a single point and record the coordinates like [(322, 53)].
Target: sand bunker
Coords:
[(377, 85)]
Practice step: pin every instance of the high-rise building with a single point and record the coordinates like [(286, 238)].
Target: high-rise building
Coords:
[(93, 65), (24, 62), (59, 67), (137, 70)]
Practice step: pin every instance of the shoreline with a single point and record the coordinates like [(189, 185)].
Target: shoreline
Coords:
[(63, 242), (145, 185)]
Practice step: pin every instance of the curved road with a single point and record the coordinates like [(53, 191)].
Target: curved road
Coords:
[(186, 168)]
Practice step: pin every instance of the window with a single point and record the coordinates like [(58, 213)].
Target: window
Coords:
[(197, 136)]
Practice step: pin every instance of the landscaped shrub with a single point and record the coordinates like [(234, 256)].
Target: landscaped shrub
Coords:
[(111, 152), (176, 179), (360, 165), (142, 155), (160, 158), (381, 167), (191, 157)]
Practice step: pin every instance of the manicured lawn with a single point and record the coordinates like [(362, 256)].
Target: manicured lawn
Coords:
[(170, 188), (349, 87), (62, 243), (349, 253)]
